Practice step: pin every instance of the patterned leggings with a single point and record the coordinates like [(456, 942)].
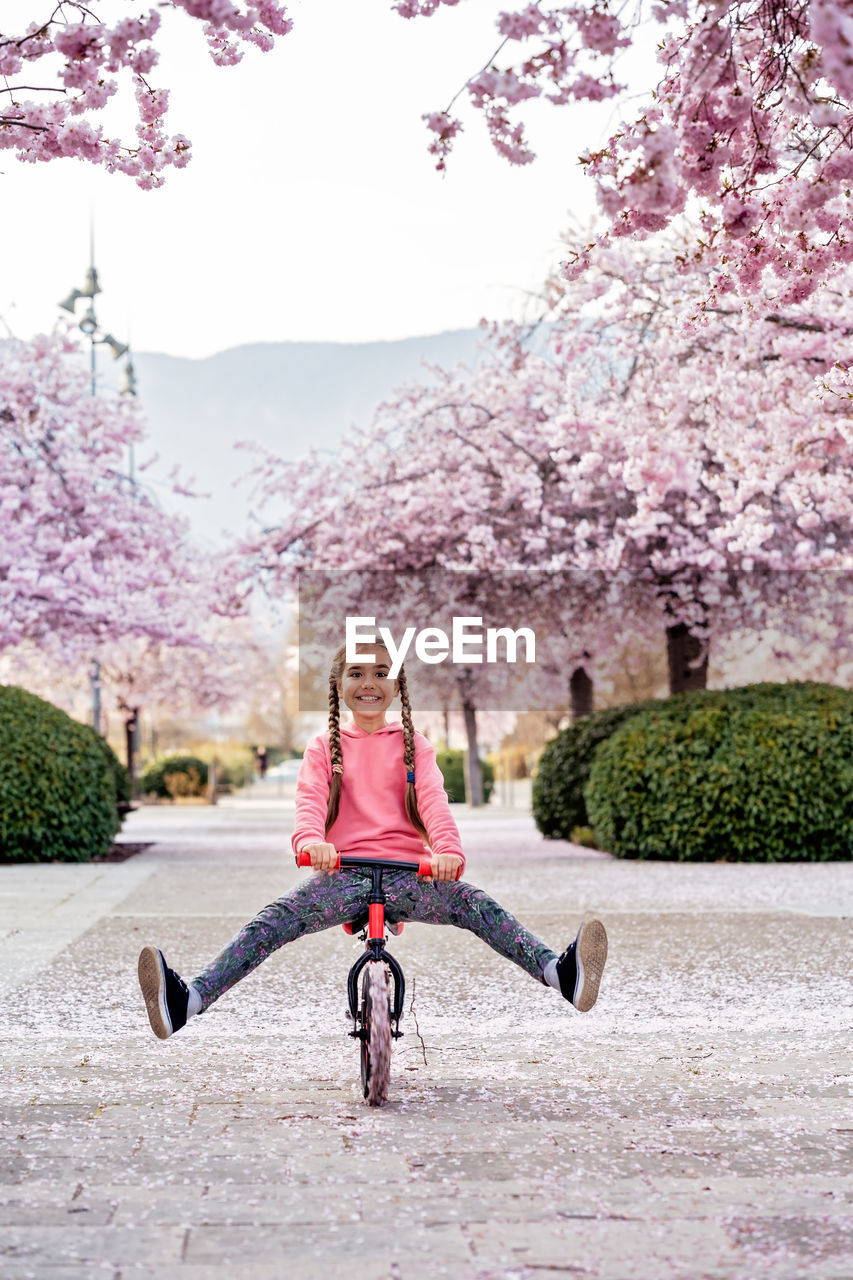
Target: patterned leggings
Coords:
[(327, 900)]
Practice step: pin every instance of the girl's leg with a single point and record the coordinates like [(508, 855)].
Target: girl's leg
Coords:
[(315, 904), (467, 907)]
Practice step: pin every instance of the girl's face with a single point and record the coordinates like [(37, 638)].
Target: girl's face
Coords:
[(367, 691)]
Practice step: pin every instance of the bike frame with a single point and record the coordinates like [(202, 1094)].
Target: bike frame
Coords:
[(375, 948), (375, 1086), (375, 938)]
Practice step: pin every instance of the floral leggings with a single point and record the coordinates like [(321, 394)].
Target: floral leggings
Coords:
[(327, 900)]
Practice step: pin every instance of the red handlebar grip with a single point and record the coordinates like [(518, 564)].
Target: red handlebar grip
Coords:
[(425, 867), (303, 859)]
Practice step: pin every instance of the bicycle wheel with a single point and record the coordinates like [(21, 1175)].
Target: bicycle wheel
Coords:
[(375, 1015)]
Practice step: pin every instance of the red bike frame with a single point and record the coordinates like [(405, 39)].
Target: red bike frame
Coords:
[(375, 922)]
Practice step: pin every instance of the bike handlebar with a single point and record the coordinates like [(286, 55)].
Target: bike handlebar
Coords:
[(422, 865)]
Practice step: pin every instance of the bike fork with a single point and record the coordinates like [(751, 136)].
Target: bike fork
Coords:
[(375, 950)]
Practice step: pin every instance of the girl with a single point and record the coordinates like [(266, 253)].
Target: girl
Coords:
[(352, 797)]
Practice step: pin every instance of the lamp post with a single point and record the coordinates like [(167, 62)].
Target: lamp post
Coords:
[(131, 714), (88, 324)]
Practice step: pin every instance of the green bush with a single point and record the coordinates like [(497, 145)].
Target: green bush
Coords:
[(760, 774), (563, 771), (173, 776), (235, 763), (452, 766), (59, 783)]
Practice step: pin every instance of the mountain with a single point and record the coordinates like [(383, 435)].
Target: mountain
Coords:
[(286, 396)]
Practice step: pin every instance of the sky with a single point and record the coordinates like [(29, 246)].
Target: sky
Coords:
[(311, 209)]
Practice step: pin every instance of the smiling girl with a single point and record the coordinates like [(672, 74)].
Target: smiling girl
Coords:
[(372, 788)]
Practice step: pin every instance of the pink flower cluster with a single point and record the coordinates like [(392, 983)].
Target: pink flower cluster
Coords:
[(572, 61), (419, 8), (754, 116), (86, 555), (93, 59), (444, 128)]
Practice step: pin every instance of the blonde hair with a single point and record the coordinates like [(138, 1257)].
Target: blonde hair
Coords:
[(335, 676)]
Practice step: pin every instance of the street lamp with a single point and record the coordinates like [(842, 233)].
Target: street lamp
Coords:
[(88, 324)]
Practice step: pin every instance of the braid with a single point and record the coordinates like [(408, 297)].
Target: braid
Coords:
[(409, 758), (335, 743)]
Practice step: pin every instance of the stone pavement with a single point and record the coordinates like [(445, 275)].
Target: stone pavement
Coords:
[(697, 1124)]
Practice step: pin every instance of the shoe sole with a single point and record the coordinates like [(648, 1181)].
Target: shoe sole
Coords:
[(590, 957), (152, 980)]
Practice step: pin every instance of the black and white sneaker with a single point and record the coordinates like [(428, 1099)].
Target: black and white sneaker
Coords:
[(166, 995), (581, 965)]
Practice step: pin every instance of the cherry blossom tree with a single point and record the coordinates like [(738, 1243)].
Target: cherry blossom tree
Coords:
[(221, 671), (87, 557), (750, 125), (686, 480), (452, 504), (731, 498)]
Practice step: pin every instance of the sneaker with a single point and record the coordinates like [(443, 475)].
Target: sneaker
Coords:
[(166, 995), (581, 965)]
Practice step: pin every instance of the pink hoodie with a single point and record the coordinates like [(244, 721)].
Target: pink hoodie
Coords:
[(372, 818)]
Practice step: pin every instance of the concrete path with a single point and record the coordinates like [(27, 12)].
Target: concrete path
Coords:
[(696, 1124)]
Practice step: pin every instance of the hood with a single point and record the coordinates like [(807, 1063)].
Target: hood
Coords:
[(351, 730)]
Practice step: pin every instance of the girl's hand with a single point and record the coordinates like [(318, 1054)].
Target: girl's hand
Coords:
[(323, 856), (445, 866)]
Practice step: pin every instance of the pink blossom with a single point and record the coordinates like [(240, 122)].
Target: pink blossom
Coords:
[(84, 552), (92, 53), (77, 40), (520, 25), (733, 93)]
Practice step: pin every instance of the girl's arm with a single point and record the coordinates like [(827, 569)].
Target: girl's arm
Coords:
[(312, 795), (433, 805)]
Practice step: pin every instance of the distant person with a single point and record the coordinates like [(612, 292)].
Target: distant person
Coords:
[(355, 795), (262, 762)]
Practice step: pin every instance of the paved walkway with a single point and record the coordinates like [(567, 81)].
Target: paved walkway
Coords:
[(696, 1125)]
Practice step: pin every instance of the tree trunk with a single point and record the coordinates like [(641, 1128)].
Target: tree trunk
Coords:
[(580, 690), (683, 653), (474, 774), (131, 724)]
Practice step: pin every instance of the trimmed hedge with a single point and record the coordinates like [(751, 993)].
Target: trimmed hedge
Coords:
[(452, 766), (191, 777), (60, 783), (763, 773), (563, 770)]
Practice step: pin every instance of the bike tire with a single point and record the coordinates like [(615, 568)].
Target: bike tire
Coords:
[(375, 1018)]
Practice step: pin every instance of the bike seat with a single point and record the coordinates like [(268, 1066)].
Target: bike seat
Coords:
[(360, 922)]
